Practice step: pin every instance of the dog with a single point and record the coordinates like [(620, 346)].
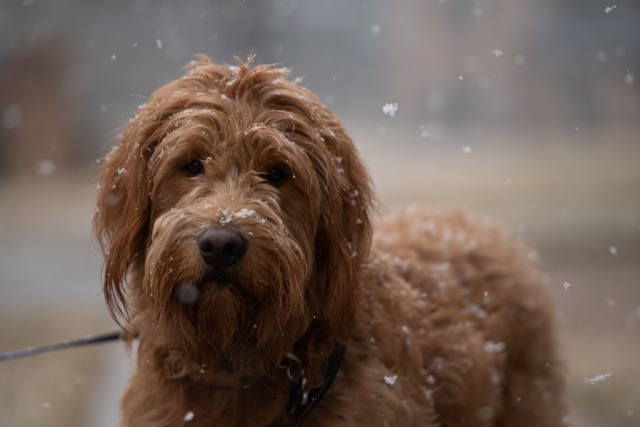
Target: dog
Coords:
[(236, 219)]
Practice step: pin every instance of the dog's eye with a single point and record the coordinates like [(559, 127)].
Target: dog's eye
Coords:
[(193, 168), (275, 176)]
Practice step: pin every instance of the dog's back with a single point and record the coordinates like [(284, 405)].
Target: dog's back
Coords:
[(455, 325)]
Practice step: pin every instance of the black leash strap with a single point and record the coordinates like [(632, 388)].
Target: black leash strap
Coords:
[(93, 339)]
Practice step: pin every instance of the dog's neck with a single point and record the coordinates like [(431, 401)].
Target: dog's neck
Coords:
[(211, 388)]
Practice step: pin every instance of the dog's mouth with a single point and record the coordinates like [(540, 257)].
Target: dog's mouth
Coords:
[(217, 277), (190, 292)]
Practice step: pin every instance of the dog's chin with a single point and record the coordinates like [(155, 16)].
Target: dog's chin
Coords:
[(218, 278), (221, 314), (218, 314), (230, 340)]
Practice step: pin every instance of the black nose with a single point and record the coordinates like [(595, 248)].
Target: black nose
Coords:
[(222, 247)]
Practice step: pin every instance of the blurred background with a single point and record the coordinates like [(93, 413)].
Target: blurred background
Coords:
[(523, 110)]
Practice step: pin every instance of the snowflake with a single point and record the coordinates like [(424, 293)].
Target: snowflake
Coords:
[(629, 78), (390, 109), (497, 52), (609, 9), (244, 213), (494, 347), (598, 378), (45, 167), (390, 379)]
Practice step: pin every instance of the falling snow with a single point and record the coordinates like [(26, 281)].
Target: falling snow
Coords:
[(598, 378), (602, 56), (187, 293), (485, 413), (609, 9), (613, 250), (519, 60), (497, 52), (12, 117), (566, 286), (188, 417), (45, 167), (390, 109), (159, 43), (629, 78), (466, 150)]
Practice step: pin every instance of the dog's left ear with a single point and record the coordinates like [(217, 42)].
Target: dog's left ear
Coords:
[(344, 235)]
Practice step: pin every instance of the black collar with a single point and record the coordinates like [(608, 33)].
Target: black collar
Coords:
[(302, 399)]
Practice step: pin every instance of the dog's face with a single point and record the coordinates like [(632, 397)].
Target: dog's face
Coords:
[(234, 215)]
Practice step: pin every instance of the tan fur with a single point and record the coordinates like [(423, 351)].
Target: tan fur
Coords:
[(450, 305)]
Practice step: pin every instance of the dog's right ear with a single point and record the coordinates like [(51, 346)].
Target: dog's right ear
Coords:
[(122, 216)]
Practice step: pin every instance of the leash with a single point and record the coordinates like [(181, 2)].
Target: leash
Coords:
[(89, 340)]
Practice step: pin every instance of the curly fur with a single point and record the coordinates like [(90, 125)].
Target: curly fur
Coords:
[(448, 306)]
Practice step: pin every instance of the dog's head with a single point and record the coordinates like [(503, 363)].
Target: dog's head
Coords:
[(235, 212)]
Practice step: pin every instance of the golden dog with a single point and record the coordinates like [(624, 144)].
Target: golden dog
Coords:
[(236, 220)]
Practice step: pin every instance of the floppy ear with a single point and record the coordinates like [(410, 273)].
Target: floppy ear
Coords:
[(344, 235), (121, 220)]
